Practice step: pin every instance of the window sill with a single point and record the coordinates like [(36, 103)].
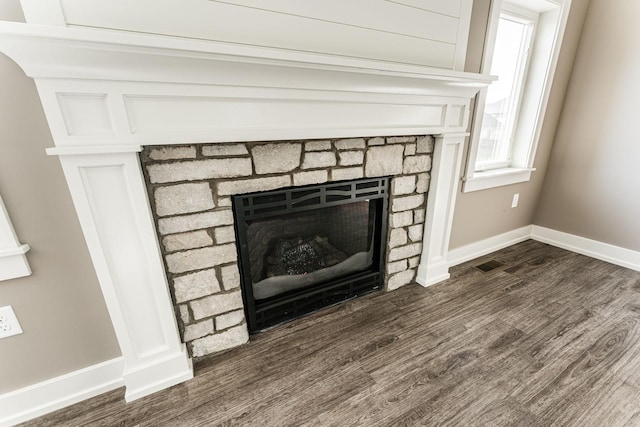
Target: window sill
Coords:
[(495, 178), (13, 263)]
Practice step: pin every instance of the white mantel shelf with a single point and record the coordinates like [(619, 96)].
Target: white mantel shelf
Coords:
[(43, 37), (107, 93), (112, 87)]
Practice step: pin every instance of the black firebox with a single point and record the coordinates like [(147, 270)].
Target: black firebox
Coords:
[(305, 248)]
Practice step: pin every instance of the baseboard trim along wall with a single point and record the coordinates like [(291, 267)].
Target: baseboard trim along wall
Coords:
[(33, 401), (593, 248), (483, 247), (603, 251)]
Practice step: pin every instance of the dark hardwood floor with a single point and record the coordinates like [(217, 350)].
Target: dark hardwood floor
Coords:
[(550, 338)]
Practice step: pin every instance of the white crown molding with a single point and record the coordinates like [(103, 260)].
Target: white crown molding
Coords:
[(36, 400)]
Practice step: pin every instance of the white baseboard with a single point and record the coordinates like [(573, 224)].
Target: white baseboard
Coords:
[(48, 396), (163, 373), (593, 248), (435, 274), (483, 247), (603, 251)]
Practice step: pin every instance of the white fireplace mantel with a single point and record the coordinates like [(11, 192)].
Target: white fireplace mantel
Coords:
[(104, 88), (107, 93)]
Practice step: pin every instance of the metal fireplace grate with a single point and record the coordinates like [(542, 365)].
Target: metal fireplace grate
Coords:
[(266, 204)]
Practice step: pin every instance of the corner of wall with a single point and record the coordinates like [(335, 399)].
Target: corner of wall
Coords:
[(487, 213)]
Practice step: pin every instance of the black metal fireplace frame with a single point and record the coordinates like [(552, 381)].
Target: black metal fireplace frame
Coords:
[(272, 311)]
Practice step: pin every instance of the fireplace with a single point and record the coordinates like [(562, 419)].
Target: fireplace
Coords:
[(225, 212), (109, 95), (305, 248)]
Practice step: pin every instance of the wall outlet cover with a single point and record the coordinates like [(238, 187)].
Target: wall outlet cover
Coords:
[(9, 324), (514, 202)]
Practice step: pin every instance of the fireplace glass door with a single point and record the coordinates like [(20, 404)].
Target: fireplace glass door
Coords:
[(305, 248)]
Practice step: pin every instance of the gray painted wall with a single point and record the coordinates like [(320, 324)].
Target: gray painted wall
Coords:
[(60, 307), (486, 213), (592, 187)]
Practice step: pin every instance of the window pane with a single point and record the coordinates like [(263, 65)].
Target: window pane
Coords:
[(509, 60)]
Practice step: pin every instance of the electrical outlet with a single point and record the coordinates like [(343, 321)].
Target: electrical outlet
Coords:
[(9, 324), (514, 202)]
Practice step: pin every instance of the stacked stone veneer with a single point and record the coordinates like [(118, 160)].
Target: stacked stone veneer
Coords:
[(190, 189)]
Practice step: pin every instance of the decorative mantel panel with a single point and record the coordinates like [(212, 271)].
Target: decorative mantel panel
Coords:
[(106, 94), (424, 32), (101, 89)]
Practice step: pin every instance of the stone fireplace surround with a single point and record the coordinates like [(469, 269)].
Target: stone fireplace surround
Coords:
[(190, 188), (107, 94)]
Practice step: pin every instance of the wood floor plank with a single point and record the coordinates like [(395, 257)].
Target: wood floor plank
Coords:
[(584, 370), (547, 338), (609, 402)]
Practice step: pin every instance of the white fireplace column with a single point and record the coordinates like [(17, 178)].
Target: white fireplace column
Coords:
[(109, 194), (441, 199)]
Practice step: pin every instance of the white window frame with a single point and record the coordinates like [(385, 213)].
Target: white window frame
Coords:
[(549, 32), (13, 259), (530, 19)]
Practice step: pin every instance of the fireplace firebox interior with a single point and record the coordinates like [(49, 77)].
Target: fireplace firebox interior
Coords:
[(305, 248)]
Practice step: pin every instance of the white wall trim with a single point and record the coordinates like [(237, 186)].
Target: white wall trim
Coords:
[(537, 88), (126, 89), (441, 200), (43, 13), (486, 246), (603, 251), (462, 38), (13, 259), (48, 396), (109, 194), (496, 178), (432, 33)]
